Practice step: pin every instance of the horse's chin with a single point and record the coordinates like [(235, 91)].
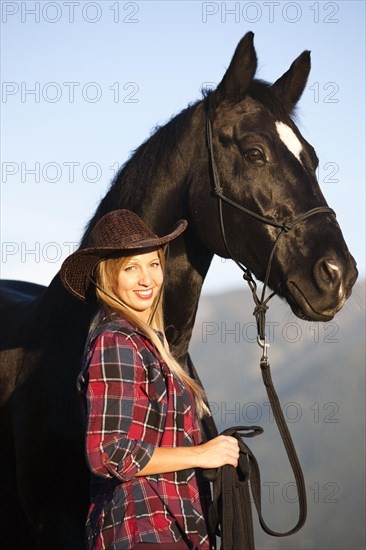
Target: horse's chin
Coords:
[(320, 308)]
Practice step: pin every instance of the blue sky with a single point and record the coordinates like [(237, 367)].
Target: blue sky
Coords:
[(105, 73)]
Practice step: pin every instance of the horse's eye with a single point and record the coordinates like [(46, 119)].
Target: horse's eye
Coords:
[(255, 155)]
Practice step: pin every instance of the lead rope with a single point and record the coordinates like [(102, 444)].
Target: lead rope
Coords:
[(261, 307)]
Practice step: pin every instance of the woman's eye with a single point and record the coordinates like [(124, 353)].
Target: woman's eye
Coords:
[(130, 268), (255, 155), (155, 264)]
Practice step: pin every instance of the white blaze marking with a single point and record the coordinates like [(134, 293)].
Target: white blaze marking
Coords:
[(289, 138)]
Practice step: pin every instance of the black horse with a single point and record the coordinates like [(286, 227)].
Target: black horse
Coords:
[(261, 162)]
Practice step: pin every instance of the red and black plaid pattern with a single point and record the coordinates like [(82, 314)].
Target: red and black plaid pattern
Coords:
[(135, 404)]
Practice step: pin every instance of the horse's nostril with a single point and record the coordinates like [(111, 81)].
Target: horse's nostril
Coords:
[(331, 270), (327, 273)]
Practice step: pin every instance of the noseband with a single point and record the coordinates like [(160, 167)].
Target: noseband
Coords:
[(260, 310)]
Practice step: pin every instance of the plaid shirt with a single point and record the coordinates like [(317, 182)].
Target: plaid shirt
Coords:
[(134, 404)]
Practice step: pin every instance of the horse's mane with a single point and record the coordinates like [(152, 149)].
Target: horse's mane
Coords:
[(137, 174), (158, 149)]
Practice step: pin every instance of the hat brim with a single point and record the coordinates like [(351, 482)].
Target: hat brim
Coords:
[(77, 269)]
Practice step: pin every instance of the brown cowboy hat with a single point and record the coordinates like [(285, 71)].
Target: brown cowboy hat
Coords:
[(117, 231)]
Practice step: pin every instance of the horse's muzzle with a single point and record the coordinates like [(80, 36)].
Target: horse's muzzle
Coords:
[(324, 295)]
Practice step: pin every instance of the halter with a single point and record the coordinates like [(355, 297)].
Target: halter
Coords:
[(284, 227), (260, 310)]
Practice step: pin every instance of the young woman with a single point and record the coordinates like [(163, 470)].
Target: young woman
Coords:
[(143, 443)]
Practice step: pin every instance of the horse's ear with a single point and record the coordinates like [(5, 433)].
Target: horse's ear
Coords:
[(240, 72), (292, 83)]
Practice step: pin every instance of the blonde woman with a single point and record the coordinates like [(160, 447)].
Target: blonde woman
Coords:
[(143, 443)]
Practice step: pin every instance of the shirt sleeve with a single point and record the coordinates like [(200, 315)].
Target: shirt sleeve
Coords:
[(124, 424)]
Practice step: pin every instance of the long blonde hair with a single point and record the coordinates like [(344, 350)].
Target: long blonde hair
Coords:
[(106, 274)]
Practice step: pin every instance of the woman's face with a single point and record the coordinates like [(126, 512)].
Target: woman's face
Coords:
[(139, 281)]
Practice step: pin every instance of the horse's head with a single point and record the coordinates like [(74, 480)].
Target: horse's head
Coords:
[(264, 164)]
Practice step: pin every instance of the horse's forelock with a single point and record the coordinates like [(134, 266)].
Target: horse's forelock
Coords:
[(272, 99)]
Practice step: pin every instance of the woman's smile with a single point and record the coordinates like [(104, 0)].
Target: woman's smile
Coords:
[(144, 294)]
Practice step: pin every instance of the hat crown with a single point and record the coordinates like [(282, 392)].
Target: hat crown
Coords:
[(119, 229)]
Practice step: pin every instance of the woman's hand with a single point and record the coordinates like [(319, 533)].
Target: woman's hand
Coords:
[(224, 449)]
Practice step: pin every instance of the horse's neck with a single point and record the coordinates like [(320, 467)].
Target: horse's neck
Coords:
[(183, 286), (188, 260)]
